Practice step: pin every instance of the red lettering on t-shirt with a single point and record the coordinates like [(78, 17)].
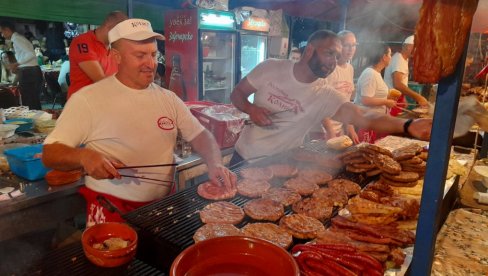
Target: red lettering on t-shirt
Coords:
[(165, 123)]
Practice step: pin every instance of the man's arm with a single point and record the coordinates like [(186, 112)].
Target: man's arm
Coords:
[(370, 101), (327, 124), (398, 84), (352, 114), (204, 144), (92, 69), (64, 158), (239, 96)]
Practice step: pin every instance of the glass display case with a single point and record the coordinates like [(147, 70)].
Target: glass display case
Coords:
[(218, 65)]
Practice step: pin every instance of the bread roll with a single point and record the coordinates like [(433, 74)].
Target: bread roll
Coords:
[(339, 143), (394, 94)]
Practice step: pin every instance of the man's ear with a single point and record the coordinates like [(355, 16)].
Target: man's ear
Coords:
[(116, 54), (308, 52)]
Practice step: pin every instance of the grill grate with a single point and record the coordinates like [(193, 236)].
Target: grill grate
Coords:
[(70, 260), (172, 221)]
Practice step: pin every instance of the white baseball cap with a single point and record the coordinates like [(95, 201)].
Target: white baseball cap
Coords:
[(133, 29), (408, 40)]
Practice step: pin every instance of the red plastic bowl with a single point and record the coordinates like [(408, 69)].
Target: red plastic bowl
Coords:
[(109, 258), (234, 255)]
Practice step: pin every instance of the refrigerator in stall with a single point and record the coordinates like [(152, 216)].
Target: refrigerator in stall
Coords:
[(253, 38), (200, 52)]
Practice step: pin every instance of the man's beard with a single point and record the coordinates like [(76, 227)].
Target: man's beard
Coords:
[(316, 67)]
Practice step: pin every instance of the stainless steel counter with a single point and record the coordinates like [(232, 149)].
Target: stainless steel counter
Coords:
[(40, 192)]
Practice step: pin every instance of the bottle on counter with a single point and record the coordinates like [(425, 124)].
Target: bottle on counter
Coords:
[(176, 82)]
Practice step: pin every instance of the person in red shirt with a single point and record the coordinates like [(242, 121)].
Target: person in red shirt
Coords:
[(90, 59)]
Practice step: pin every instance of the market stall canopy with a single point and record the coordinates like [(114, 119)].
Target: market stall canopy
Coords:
[(390, 16), (82, 11)]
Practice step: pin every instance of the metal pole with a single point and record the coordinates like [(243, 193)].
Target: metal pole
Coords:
[(129, 9), (439, 152)]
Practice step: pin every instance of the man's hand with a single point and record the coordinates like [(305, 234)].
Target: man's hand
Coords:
[(390, 103), (351, 132), (422, 101), (220, 175), (420, 129), (259, 115), (98, 166)]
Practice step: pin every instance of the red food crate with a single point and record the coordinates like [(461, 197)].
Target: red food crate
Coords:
[(225, 136)]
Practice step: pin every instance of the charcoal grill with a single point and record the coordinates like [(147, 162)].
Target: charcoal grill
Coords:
[(166, 227), (70, 260)]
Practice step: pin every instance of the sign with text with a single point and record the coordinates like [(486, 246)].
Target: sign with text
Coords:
[(254, 23), (181, 47)]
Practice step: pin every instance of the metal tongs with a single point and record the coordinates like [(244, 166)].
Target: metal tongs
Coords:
[(166, 183), (408, 111)]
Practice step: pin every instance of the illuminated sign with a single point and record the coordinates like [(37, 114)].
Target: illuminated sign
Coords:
[(256, 24), (216, 20)]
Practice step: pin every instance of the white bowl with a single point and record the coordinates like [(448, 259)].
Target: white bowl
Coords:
[(483, 171), (7, 130)]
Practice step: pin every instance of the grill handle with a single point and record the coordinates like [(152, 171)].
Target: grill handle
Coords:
[(108, 205)]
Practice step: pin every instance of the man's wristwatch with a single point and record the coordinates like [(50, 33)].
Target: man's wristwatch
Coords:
[(406, 125)]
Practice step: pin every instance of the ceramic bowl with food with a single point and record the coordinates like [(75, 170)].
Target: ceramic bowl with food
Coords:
[(109, 244), (234, 255)]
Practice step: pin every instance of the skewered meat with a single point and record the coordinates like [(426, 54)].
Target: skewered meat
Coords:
[(440, 37)]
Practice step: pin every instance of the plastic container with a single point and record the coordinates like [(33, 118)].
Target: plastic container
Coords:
[(23, 123), (224, 132), (26, 162), (7, 130)]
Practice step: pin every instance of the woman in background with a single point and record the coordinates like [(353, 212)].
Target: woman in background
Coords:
[(372, 90)]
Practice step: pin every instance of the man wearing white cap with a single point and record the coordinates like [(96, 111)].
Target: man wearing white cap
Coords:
[(127, 120), (396, 74)]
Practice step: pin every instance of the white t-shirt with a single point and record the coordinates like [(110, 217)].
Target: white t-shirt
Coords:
[(276, 90), (24, 51), (371, 84), (342, 79), (397, 64), (136, 127)]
